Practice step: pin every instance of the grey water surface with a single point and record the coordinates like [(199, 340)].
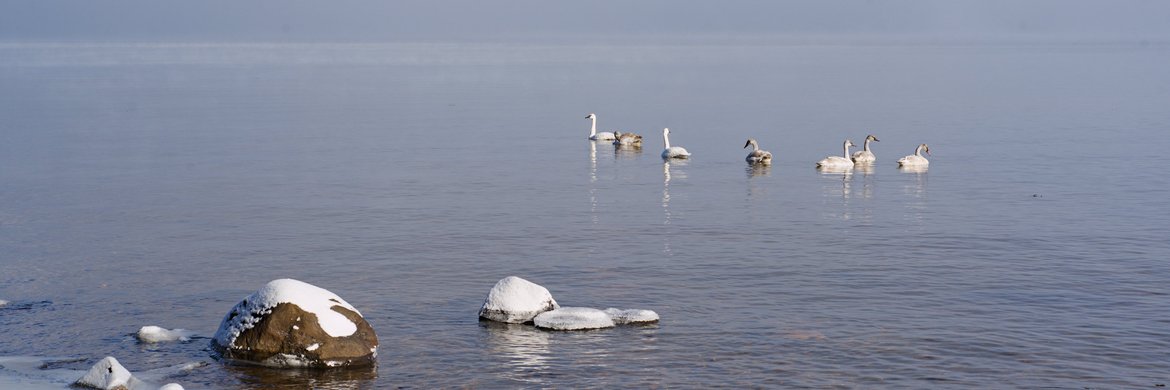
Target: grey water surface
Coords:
[(158, 184)]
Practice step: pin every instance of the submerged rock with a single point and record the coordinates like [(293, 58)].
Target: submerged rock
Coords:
[(290, 323), (108, 374), (155, 334), (573, 318), (631, 316), (515, 300)]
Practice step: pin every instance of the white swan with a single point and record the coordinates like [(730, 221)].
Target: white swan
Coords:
[(916, 159), (838, 162), (672, 151), (865, 156), (627, 139), (594, 135), (757, 156)]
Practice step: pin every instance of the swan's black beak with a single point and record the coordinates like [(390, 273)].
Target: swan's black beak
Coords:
[(746, 145), (876, 140)]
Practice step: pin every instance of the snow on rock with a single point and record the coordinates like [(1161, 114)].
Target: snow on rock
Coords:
[(516, 300), (573, 318), (154, 334), (631, 316), (289, 323), (107, 374)]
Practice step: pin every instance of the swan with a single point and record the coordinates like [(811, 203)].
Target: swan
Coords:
[(837, 162), (865, 156), (627, 139), (757, 156), (594, 135), (916, 159), (672, 151)]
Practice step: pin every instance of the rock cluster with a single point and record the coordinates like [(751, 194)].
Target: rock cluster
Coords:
[(515, 300)]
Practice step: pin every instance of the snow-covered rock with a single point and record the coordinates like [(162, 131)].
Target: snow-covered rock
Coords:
[(516, 300), (290, 323), (154, 334), (631, 316), (107, 374), (573, 318)]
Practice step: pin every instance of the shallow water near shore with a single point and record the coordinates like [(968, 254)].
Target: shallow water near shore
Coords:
[(158, 184)]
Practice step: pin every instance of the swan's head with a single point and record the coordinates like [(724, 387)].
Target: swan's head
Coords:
[(617, 134), (872, 138), (665, 130), (750, 142), (591, 116), (849, 143), (925, 148)]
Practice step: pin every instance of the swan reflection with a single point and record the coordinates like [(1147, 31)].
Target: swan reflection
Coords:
[(755, 170), (523, 347), (592, 181), (667, 176), (913, 168), (626, 152)]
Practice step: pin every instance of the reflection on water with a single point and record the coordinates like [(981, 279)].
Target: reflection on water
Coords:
[(863, 168), (592, 182), (842, 190), (917, 190), (666, 177), (523, 347), (913, 168), (626, 152), (329, 379), (754, 170)]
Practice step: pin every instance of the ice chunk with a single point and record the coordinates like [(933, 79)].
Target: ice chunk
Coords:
[(308, 297), (631, 316), (171, 386), (573, 318), (107, 374), (516, 300), (3, 303), (154, 334)]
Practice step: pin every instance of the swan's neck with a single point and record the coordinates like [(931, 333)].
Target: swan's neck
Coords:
[(918, 151), (593, 129), (846, 147), (666, 140), (866, 146), (755, 148)]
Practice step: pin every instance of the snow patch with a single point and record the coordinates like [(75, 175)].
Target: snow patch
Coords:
[(108, 374), (573, 318), (516, 300), (155, 334), (308, 297), (631, 316), (313, 347)]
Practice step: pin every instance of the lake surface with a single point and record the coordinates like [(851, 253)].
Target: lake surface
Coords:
[(158, 184)]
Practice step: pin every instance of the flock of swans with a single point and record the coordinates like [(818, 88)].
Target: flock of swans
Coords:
[(763, 157)]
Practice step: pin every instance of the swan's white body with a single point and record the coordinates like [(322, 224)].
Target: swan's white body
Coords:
[(916, 159), (865, 156), (594, 135), (672, 151), (838, 162), (757, 156), (627, 139)]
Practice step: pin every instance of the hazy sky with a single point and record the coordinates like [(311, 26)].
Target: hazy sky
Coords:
[(445, 20)]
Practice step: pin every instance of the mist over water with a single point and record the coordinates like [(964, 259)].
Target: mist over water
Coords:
[(158, 184)]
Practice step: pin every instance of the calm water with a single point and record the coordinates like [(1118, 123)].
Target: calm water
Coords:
[(159, 184)]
